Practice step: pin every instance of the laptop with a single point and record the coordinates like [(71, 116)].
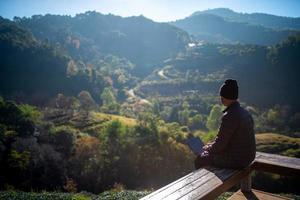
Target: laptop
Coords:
[(195, 144)]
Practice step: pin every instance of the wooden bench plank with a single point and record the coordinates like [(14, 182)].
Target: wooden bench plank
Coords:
[(202, 189), (282, 165), (205, 181), (166, 187), (176, 185), (256, 194), (200, 183), (218, 185)]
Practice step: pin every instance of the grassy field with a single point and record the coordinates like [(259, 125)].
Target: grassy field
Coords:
[(278, 144), (124, 120)]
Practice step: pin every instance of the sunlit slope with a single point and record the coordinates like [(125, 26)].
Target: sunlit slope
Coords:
[(89, 122), (278, 144), (124, 120)]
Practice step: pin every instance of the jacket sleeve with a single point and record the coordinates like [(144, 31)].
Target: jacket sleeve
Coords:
[(227, 128)]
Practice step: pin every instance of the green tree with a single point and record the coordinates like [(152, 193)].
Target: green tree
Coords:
[(213, 120), (64, 140), (30, 112), (183, 116), (86, 164), (86, 100), (107, 96), (165, 113), (156, 107), (196, 122), (109, 102)]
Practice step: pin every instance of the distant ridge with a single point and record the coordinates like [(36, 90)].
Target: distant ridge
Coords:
[(228, 27), (267, 20)]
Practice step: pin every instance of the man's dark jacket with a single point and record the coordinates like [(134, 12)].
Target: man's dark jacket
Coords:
[(234, 146)]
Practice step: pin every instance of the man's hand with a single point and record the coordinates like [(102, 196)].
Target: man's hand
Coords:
[(207, 147), (204, 153)]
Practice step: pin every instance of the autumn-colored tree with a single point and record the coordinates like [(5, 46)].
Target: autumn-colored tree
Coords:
[(86, 164), (86, 100)]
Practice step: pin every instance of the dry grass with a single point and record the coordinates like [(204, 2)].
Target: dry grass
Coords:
[(265, 138), (278, 144)]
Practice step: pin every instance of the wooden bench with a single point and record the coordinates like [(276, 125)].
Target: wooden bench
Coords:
[(277, 164), (209, 183)]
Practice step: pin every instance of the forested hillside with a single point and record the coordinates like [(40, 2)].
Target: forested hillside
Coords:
[(144, 42), (34, 71)]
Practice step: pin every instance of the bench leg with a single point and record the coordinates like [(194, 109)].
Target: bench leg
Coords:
[(246, 184)]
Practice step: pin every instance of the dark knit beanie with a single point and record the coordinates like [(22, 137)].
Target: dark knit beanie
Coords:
[(230, 89)]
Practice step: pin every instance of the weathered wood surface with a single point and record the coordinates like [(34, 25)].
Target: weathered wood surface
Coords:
[(277, 164), (256, 195), (200, 184), (209, 183)]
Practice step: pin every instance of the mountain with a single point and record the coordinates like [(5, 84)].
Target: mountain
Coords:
[(142, 41), (216, 29), (51, 54), (267, 20)]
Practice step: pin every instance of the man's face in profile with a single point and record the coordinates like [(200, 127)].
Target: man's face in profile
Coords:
[(222, 100), (226, 102)]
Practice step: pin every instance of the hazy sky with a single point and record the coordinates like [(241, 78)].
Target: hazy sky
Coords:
[(157, 10)]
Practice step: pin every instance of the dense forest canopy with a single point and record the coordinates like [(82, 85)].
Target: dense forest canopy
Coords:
[(94, 102), (268, 73)]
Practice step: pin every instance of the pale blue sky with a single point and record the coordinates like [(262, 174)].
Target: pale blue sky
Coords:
[(157, 10)]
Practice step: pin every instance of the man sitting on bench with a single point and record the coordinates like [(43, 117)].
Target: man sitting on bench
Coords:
[(234, 146)]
